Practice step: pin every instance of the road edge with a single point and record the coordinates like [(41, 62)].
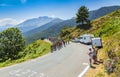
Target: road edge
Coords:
[(84, 71)]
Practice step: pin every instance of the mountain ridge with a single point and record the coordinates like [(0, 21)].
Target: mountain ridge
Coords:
[(102, 11), (55, 29), (108, 29), (52, 31), (43, 27), (34, 23)]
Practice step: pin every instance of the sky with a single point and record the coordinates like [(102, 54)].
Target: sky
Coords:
[(21, 10)]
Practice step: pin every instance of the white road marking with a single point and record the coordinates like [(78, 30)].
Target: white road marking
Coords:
[(15, 72), (85, 63), (28, 72), (84, 71), (33, 73)]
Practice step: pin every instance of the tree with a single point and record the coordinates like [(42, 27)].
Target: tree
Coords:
[(65, 32), (11, 43), (82, 15)]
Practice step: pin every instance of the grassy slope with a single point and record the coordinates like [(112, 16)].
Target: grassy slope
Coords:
[(108, 28), (52, 31), (36, 49), (110, 33)]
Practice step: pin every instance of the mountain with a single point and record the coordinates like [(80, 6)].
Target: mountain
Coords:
[(5, 27), (46, 26), (43, 27), (41, 21), (106, 26), (102, 11), (54, 30), (34, 23), (7, 23), (108, 29)]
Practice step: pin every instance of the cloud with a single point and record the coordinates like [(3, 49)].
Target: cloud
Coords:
[(4, 5), (6, 21), (23, 1), (53, 16)]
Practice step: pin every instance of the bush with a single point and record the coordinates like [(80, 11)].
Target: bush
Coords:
[(11, 43)]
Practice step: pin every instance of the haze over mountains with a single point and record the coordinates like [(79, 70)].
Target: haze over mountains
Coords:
[(6, 26), (52, 31), (36, 28), (43, 27), (34, 23), (7, 23), (28, 24), (56, 28)]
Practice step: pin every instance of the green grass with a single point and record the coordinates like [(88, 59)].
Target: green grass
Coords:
[(108, 28), (100, 75), (34, 50)]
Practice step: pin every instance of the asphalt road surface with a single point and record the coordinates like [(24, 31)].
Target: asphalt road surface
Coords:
[(70, 61)]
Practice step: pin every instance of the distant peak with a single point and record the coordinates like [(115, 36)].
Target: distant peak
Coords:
[(46, 17), (107, 7), (57, 18)]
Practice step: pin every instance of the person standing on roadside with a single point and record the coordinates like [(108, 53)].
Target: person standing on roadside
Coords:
[(95, 51), (90, 53)]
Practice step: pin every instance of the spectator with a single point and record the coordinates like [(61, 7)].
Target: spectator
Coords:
[(90, 53)]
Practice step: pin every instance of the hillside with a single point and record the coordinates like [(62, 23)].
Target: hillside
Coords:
[(31, 51), (102, 11), (108, 28), (33, 23), (43, 27), (54, 30)]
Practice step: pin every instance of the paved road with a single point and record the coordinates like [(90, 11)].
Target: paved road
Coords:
[(70, 61)]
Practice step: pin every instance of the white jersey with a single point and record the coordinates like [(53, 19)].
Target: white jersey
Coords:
[(91, 54)]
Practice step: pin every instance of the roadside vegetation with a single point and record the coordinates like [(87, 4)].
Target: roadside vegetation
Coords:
[(13, 49), (11, 43), (108, 28)]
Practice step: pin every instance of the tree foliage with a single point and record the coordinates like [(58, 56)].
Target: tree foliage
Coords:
[(82, 15), (11, 43), (65, 32)]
